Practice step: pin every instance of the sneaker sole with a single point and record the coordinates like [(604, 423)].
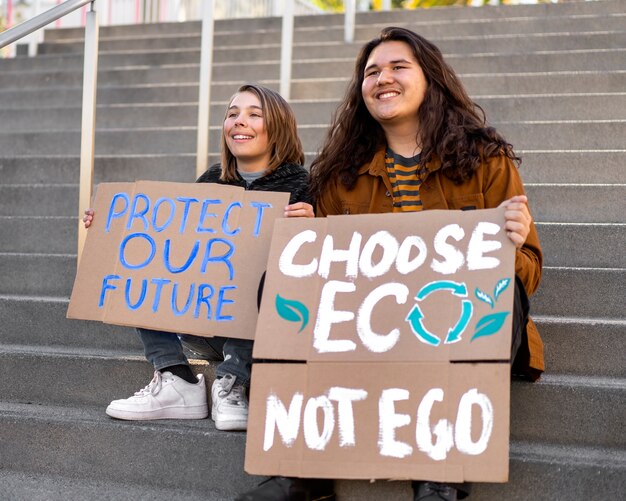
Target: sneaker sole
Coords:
[(230, 423), (171, 413)]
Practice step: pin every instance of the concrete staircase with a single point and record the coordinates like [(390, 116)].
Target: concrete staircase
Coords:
[(552, 78)]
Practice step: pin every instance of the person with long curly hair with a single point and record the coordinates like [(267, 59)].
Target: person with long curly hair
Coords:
[(407, 137)]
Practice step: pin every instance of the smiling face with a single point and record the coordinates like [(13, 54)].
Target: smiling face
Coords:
[(394, 85), (245, 133)]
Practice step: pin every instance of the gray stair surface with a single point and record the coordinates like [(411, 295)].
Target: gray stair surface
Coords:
[(550, 77)]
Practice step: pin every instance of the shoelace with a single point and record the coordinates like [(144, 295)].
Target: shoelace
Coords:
[(153, 386), (229, 388)]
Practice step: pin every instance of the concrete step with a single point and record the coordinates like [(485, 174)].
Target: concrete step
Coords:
[(60, 200), (37, 275), (565, 410), (82, 377), (255, 42), (574, 346), (562, 244), (477, 84), (578, 203), (20, 101), (442, 28), (86, 444), (310, 28), (65, 169), (563, 135), (113, 77), (38, 487), (566, 406), (227, 27), (52, 234), (538, 166), (583, 346), (549, 82), (269, 48), (120, 141), (574, 106), (569, 292), (555, 60), (544, 135), (581, 292), (573, 166), (40, 323), (174, 113)]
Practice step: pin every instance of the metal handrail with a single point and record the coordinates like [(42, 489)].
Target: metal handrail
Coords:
[(90, 77), (27, 27)]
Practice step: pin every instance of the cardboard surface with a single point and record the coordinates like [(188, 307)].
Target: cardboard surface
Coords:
[(438, 421), (427, 286), (180, 257)]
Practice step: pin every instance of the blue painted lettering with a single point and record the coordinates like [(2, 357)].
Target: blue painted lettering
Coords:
[(204, 299), (112, 212), (225, 258), (159, 282), (127, 239), (225, 226), (221, 301), (107, 286), (175, 309), (190, 259), (135, 213), (204, 214), (187, 202), (260, 207), (142, 295), (155, 213)]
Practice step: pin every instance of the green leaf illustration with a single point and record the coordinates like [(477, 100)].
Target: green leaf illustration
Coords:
[(483, 296), (490, 324), (292, 311), (500, 287)]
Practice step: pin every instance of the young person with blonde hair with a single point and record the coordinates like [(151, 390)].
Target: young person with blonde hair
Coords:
[(260, 150)]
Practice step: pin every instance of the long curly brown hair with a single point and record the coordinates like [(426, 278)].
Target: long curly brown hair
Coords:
[(452, 127)]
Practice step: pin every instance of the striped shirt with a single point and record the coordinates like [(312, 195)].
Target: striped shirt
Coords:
[(405, 181)]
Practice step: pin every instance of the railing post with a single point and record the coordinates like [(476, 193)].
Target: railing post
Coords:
[(286, 50), (348, 31), (204, 97), (88, 124)]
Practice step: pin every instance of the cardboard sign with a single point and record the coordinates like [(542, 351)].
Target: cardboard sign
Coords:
[(429, 286), (439, 422), (382, 308), (179, 257)]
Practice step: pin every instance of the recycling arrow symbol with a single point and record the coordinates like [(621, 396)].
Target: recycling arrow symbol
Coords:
[(415, 317)]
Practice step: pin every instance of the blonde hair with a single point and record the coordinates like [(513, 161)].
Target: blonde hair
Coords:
[(282, 132)]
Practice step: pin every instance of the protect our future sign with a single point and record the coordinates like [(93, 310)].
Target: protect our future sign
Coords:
[(179, 257), (404, 322)]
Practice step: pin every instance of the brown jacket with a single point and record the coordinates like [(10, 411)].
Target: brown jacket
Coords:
[(494, 181)]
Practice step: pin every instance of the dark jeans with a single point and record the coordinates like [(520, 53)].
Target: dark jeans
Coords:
[(164, 349)]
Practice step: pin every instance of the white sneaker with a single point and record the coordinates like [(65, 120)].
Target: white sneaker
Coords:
[(166, 397), (230, 404)]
